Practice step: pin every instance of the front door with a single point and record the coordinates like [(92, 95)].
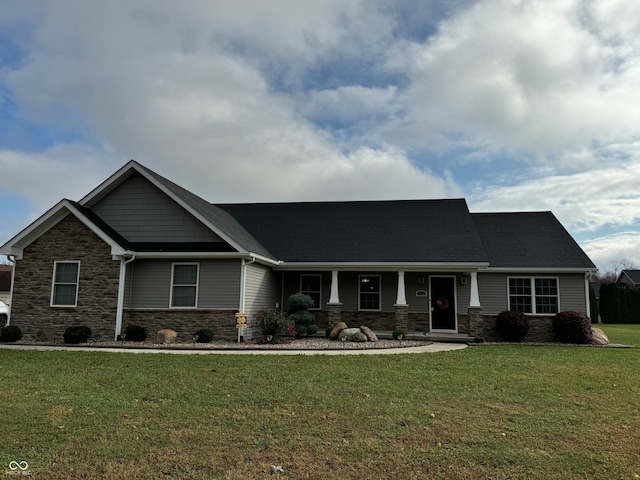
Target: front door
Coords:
[(443, 303)]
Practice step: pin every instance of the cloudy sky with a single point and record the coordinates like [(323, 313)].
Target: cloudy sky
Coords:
[(514, 105)]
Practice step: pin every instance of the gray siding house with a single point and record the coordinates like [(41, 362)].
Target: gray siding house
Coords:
[(141, 250)]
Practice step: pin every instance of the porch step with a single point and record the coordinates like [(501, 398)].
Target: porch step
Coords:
[(433, 337), (448, 337)]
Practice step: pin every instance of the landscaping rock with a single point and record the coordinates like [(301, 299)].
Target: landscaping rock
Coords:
[(166, 336), (352, 335), (335, 333), (598, 337), (44, 336), (372, 337)]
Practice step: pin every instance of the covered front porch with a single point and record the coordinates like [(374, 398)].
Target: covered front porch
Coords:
[(437, 302)]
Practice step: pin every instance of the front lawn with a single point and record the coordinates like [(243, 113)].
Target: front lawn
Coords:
[(625, 334), (484, 412)]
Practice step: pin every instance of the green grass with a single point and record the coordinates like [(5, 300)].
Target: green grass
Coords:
[(622, 334), (484, 412)]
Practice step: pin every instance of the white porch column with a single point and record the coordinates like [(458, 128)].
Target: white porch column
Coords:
[(475, 296), (335, 297), (401, 298)]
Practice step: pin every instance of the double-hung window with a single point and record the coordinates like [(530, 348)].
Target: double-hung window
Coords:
[(312, 285), (65, 284), (184, 285), (537, 295), (369, 292)]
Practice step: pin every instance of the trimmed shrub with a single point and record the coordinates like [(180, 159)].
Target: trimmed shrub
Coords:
[(300, 301), (204, 335), (572, 327), (271, 322), (399, 334), (10, 333), (302, 319), (77, 334), (512, 325), (135, 333)]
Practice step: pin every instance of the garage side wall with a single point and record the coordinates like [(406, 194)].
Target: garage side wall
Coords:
[(68, 240)]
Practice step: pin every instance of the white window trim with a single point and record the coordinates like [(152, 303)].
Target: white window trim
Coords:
[(319, 307), (53, 284), (379, 309), (533, 292), (197, 285)]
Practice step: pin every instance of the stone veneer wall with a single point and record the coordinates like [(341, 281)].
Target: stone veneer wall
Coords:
[(373, 320), (540, 330), (68, 240), (185, 322)]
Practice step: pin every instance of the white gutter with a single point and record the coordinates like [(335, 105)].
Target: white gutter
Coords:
[(12, 259), (243, 280), (121, 285), (383, 266)]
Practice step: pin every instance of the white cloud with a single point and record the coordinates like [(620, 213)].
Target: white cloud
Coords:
[(180, 90), (585, 201), (609, 250), (230, 99), (527, 76)]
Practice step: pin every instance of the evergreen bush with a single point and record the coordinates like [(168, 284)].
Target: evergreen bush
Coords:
[(512, 325), (10, 333), (76, 334), (135, 333), (610, 303), (572, 327), (299, 305), (204, 335), (399, 334)]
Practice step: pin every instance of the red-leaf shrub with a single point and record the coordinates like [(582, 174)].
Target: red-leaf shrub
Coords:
[(512, 325), (572, 327)]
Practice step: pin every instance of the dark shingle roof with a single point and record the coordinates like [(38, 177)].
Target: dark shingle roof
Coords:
[(634, 275), (375, 231), (217, 216), (529, 240)]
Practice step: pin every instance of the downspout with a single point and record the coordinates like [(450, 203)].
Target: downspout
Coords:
[(243, 280), (121, 285), (243, 291), (587, 296), (12, 259)]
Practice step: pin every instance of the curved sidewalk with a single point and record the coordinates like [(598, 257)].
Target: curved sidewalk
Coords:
[(431, 348)]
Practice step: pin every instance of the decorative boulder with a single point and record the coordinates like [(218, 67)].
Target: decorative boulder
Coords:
[(352, 335), (335, 333), (372, 337), (166, 336), (44, 336), (598, 337)]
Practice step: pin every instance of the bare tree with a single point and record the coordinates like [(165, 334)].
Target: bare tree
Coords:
[(610, 276)]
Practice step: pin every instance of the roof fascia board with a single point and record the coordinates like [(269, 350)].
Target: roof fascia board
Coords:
[(384, 266), (522, 270), (207, 255), (16, 245), (133, 165)]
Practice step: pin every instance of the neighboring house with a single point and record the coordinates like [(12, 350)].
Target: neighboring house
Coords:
[(141, 250), (5, 282), (629, 279)]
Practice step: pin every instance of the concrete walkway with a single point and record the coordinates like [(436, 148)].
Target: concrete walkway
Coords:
[(431, 348)]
